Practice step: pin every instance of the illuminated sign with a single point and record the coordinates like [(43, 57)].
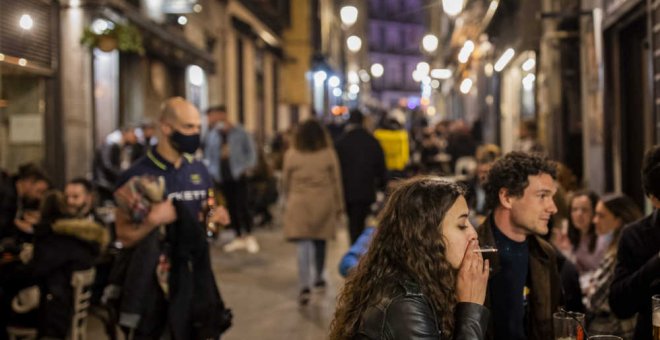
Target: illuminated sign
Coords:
[(178, 6)]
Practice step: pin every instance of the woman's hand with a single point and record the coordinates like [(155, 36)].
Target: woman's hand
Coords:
[(472, 277)]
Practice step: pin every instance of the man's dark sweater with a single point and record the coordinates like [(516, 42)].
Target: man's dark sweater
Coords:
[(508, 287), (637, 273)]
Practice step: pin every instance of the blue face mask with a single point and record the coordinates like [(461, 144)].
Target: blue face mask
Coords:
[(184, 143)]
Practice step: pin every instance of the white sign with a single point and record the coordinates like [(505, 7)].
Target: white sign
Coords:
[(178, 6), (26, 128)]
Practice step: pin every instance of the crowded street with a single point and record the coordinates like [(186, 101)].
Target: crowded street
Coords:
[(330, 169)]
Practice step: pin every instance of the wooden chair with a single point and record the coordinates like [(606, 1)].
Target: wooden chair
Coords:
[(81, 282), (20, 333)]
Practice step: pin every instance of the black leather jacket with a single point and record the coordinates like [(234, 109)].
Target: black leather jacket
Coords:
[(407, 314)]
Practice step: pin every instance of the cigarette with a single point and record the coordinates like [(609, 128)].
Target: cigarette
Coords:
[(485, 250)]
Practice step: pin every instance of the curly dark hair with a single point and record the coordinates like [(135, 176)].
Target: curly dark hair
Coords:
[(651, 172), (408, 243), (310, 136), (512, 172), (574, 234)]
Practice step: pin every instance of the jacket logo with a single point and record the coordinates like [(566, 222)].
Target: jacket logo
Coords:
[(196, 178)]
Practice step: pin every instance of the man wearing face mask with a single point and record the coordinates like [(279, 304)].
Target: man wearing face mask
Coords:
[(152, 303), (230, 152)]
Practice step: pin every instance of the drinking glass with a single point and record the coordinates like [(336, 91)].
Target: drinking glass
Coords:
[(568, 325)]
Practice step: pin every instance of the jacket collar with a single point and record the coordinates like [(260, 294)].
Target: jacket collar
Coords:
[(538, 249), (163, 164)]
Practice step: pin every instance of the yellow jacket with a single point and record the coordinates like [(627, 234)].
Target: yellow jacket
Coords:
[(395, 146)]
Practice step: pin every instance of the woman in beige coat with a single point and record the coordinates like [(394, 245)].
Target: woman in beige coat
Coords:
[(311, 184)]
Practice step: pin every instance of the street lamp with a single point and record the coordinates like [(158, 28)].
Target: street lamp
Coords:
[(430, 43), (452, 7), (334, 81), (377, 70), (504, 59), (26, 22), (441, 73), (348, 15), (364, 76), (353, 77), (354, 43), (528, 81), (320, 76), (417, 76), (465, 52), (529, 64), (424, 68), (466, 85)]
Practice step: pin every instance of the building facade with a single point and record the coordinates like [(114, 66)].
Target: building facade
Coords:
[(395, 31), (75, 91)]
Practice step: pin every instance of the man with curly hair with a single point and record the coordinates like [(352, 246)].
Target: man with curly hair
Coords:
[(637, 272), (524, 286)]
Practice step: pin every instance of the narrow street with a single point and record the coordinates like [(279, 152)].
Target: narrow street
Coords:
[(262, 290)]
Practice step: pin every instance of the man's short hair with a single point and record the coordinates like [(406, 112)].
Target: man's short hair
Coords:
[(82, 181), (356, 117), (651, 172), (32, 172), (216, 108), (512, 173)]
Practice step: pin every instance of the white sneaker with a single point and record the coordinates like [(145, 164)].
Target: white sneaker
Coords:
[(237, 244), (251, 244)]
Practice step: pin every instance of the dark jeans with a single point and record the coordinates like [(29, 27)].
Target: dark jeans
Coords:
[(357, 214), (236, 193)]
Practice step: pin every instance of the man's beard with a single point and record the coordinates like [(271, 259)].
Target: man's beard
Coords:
[(79, 211)]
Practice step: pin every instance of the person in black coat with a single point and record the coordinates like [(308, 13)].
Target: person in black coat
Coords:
[(113, 157), (362, 170), (62, 244), (637, 271), (20, 198), (423, 276)]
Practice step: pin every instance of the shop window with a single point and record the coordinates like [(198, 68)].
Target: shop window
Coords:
[(22, 111)]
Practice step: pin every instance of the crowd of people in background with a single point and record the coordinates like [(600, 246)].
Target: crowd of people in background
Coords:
[(558, 244)]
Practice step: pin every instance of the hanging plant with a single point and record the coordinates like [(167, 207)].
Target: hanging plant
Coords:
[(125, 38)]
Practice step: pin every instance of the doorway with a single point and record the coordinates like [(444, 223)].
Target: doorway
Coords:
[(628, 68)]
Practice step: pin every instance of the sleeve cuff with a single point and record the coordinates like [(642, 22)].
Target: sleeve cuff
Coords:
[(473, 311)]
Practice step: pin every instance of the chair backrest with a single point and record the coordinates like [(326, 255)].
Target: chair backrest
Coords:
[(19, 333), (81, 281)]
